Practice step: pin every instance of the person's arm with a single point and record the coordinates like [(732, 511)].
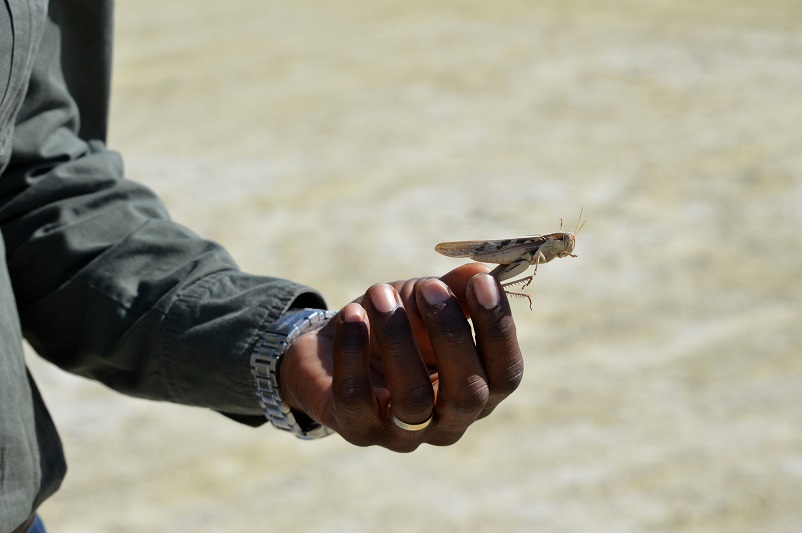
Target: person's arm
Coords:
[(110, 288), (106, 284)]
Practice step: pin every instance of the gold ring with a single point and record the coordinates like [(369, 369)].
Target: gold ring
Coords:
[(412, 427)]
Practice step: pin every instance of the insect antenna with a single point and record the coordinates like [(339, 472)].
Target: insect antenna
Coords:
[(578, 226)]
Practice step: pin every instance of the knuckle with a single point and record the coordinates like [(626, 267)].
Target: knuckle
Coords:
[(490, 408), (508, 381), (362, 437), (446, 438), (402, 445), (473, 398)]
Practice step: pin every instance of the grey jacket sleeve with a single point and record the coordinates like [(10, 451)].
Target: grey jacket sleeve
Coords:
[(107, 286)]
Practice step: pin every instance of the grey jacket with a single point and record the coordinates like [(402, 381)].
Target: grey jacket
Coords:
[(96, 276)]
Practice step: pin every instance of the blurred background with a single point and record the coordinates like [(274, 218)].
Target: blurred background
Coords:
[(336, 143)]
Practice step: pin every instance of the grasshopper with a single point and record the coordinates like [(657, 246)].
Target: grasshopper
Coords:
[(514, 256)]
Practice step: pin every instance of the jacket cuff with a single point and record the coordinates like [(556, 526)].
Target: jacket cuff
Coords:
[(210, 332)]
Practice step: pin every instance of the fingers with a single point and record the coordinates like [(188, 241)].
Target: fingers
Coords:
[(407, 377), (458, 279), (462, 391), (476, 367), (354, 406), (475, 374), (379, 372), (365, 400), (496, 338)]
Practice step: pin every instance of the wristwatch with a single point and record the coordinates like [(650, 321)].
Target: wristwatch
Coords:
[(265, 371)]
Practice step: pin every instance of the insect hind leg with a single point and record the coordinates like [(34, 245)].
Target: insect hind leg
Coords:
[(524, 282), (505, 272), (521, 295)]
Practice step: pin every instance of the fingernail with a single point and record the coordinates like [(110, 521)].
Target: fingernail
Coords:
[(353, 313), (486, 291), (435, 292), (383, 298)]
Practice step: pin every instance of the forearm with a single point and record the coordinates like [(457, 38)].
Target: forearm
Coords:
[(106, 284), (109, 288)]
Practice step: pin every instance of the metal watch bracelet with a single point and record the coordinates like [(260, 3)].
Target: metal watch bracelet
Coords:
[(265, 368)]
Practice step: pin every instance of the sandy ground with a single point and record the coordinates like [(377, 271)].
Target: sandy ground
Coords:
[(336, 143)]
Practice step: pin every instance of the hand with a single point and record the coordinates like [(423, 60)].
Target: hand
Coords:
[(407, 349)]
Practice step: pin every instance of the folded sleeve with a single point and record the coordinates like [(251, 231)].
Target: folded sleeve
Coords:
[(106, 284)]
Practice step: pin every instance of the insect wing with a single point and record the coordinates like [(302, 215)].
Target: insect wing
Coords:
[(487, 250), (460, 248)]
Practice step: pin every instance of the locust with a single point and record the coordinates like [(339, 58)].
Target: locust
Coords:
[(515, 256)]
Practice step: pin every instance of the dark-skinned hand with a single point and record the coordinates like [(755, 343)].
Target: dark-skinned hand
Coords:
[(442, 348)]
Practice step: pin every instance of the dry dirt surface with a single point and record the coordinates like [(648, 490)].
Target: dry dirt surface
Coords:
[(335, 143)]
